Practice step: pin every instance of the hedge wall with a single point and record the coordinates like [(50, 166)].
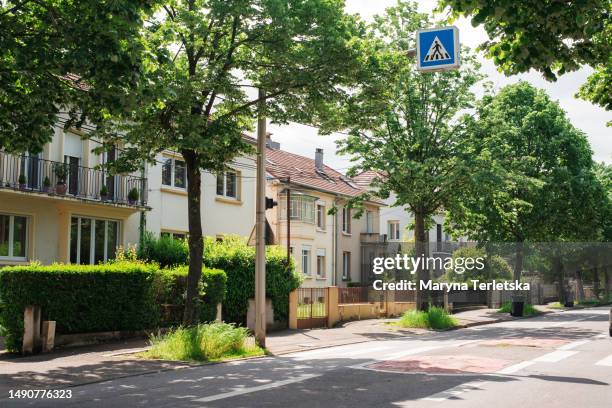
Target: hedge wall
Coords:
[(93, 298), (237, 259)]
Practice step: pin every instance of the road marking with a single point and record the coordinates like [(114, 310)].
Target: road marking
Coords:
[(365, 351), (453, 392), (605, 362), (555, 356), (573, 345), (249, 390), (514, 368), (409, 352)]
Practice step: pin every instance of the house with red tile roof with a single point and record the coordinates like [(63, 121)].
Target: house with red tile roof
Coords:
[(313, 220)]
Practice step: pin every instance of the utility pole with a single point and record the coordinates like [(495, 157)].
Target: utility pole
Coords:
[(260, 227), (288, 221)]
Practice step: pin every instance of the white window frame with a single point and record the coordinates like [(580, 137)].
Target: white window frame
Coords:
[(369, 222), (236, 187), (321, 216), (92, 237), (396, 228), (306, 256), (346, 264), (11, 237), (173, 161)]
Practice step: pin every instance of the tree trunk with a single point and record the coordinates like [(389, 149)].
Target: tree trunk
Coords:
[(196, 244), (579, 285), (422, 297)]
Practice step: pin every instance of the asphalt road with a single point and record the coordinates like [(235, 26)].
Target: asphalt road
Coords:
[(556, 360)]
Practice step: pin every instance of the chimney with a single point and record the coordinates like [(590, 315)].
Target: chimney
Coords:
[(319, 159), (271, 143)]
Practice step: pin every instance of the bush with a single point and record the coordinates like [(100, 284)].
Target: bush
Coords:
[(528, 310), (433, 318), (204, 342), (107, 297), (238, 260), (165, 250), (81, 298)]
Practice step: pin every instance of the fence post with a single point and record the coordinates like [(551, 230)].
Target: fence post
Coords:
[(293, 308), (333, 312), (31, 333)]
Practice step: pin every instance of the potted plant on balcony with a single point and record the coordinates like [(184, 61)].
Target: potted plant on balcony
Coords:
[(133, 196), (22, 181), (61, 173), (104, 193), (46, 184)]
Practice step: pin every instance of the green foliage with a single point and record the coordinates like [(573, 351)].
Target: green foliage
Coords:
[(22, 179), (204, 342), (104, 191), (238, 260), (81, 298), (433, 318), (47, 182), (133, 194), (78, 296), (495, 267), (553, 37), (528, 310), (164, 250), (61, 172)]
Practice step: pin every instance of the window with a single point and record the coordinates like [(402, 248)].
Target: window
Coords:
[(13, 237), (301, 207), (175, 235), (321, 263), (393, 230), (93, 240), (173, 173), (346, 265), (227, 184), (306, 260), (369, 222), (321, 216), (346, 220)]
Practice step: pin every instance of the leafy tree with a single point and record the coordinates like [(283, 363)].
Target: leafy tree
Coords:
[(197, 96), (495, 267), (60, 56), (553, 37), (401, 123), (532, 175)]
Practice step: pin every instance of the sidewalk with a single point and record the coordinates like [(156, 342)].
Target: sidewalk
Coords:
[(80, 365)]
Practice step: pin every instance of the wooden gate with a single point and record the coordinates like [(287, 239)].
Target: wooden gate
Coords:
[(312, 308)]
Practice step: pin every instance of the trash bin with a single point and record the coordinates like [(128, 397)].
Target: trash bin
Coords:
[(517, 308)]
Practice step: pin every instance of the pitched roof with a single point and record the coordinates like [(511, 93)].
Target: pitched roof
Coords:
[(302, 171), (364, 179)]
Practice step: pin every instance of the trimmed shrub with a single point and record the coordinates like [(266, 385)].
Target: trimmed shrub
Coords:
[(164, 250), (237, 259), (105, 297), (81, 298)]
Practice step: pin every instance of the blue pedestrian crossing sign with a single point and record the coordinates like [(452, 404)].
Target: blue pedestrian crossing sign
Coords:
[(438, 49)]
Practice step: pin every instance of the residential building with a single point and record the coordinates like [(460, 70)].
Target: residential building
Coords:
[(325, 246), (56, 206)]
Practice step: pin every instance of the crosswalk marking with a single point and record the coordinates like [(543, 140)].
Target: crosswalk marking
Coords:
[(516, 367), (573, 345), (605, 362), (555, 356)]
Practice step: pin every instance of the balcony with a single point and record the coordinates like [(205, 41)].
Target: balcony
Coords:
[(35, 175)]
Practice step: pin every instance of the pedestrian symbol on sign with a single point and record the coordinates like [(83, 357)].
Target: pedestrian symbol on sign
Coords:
[(437, 51)]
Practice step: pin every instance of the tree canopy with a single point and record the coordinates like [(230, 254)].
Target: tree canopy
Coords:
[(553, 37)]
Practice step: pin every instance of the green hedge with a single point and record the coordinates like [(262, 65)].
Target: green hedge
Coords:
[(238, 260), (164, 250), (93, 298)]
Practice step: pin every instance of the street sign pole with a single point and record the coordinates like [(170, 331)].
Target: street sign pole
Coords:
[(260, 227)]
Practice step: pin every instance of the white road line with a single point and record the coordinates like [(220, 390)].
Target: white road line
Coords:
[(408, 352), (453, 392), (249, 390), (366, 351), (514, 368), (605, 362), (555, 356), (573, 345)]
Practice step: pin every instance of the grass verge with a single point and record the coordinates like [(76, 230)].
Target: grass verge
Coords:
[(528, 310), (204, 342), (433, 318)]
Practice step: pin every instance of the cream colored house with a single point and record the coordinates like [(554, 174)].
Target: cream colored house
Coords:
[(227, 203), (326, 247), (53, 207)]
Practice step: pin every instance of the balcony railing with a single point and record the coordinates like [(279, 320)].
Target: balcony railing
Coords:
[(32, 174)]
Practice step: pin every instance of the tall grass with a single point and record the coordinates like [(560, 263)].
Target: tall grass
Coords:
[(204, 342), (528, 310), (433, 318)]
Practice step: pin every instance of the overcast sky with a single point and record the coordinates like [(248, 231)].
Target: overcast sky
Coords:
[(589, 118)]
